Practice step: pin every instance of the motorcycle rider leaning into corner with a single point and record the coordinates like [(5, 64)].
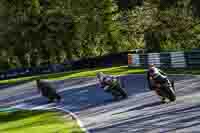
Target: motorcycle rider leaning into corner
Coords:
[(156, 78), (108, 82), (104, 80)]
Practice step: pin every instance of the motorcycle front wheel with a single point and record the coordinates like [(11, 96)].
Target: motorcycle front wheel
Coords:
[(170, 93)]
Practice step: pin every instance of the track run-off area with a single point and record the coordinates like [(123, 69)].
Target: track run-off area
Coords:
[(142, 112)]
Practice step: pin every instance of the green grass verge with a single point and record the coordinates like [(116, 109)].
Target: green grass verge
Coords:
[(121, 70), (37, 122)]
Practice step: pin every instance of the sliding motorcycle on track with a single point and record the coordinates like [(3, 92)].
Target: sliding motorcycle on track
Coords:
[(47, 91)]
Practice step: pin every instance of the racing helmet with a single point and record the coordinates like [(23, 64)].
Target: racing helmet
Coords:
[(100, 75)]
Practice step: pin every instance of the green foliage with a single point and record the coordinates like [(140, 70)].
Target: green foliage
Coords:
[(35, 32)]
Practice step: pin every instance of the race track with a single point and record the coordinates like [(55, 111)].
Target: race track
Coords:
[(142, 112)]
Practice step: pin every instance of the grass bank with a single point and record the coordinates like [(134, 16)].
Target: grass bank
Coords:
[(37, 122), (121, 70)]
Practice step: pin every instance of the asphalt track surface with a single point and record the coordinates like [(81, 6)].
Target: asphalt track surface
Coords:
[(142, 112)]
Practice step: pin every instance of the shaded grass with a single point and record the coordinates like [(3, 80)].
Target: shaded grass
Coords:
[(37, 122), (195, 71)]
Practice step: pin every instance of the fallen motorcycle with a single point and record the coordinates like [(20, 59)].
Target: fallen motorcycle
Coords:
[(48, 91)]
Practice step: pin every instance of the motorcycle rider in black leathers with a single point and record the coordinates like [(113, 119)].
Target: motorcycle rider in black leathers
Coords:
[(156, 78)]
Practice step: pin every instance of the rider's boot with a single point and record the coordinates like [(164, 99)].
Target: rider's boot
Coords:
[(124, 95)]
